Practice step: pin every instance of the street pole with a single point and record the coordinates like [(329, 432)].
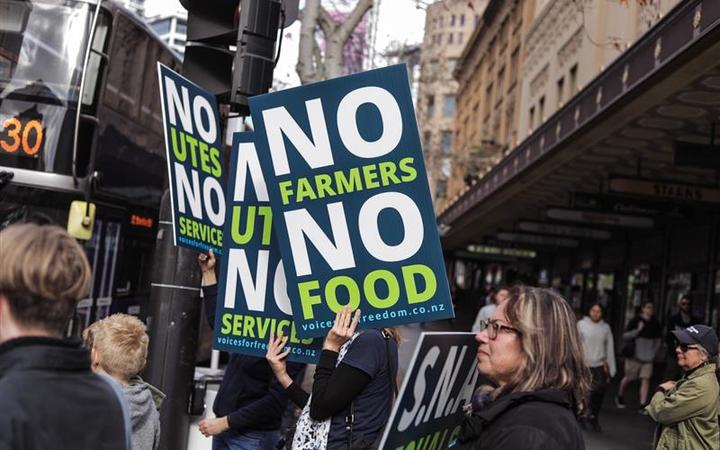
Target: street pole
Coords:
[(173, 325)]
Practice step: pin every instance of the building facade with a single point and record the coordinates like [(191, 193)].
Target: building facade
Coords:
[(569, 43), (448, 27), (489, 91)]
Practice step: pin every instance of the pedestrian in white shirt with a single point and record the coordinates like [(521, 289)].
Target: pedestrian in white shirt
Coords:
[(487, 311), (599, 351)]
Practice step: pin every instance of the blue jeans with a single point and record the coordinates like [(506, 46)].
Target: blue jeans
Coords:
[(248, 440)]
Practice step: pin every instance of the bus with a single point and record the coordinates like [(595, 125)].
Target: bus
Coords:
[(80, 120)]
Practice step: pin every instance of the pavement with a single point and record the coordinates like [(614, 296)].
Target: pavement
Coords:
[(623, 429)]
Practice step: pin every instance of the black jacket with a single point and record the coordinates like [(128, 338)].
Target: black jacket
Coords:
[(541, 420), (249, 395), (51, 400)]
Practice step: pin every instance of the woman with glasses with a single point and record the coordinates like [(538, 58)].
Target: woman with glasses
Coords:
[(531, 350), (687, 410)]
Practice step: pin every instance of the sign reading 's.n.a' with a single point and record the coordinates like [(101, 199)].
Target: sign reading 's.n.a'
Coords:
[(193, 145), (349, 190), (253, 301), (441, 379)]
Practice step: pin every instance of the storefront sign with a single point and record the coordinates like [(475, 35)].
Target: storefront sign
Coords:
[(666, 190), (441, 378), (503, 251), (193, 148), (600, 218), (253, 300), (564, 230), (353, 212), (538, 239), (625, 205)]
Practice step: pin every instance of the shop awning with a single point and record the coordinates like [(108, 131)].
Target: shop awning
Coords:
[(624, 124)]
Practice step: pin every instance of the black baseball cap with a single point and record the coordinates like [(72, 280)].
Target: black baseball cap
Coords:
[(702, 335)]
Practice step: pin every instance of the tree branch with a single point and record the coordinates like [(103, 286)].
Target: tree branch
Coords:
[(306, 70), (353, 19)]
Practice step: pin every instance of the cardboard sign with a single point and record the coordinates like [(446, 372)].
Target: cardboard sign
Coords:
[(349, 190), (441, 379), (252, 292), (193, 146)]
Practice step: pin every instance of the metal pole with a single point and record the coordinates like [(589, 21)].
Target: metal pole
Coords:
[(173, 324)]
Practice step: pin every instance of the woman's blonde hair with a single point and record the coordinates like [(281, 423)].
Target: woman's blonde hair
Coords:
[(551, 346), (43, 274)]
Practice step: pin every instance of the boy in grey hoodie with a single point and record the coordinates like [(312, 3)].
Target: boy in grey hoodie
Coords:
[(118, 347)]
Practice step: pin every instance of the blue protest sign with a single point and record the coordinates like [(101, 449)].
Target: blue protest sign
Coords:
[(193, 147), (252, 291), (349, 190), (441, 379)]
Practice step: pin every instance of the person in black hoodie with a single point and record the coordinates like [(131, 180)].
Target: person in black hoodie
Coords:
[(50, 398), (250, 402), (531, 349)]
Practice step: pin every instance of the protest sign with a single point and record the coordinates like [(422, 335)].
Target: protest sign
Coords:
[(193, 147), (252, 292), (441, 379), (349, 190)]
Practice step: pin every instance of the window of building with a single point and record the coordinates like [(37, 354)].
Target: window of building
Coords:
[(488, 99), (440, 189), (427, 136), (514, 58), (541, 109), (510, 126), (446, 142), (433, 69), (446, 167), (560, 92), (462, 19), (430, 107), (180, 28), (461, 37), (450, 38), (161, 26), (452, 20), (449, 106), (450, 68), (573, 80), (501, 82), (531, 120)]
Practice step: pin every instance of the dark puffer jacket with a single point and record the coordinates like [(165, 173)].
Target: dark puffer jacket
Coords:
[(541, 420)]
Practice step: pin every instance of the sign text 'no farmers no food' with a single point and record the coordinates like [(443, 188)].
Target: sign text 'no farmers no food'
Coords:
[(252, 298), (350, 194), (441, 379), (193, 145)]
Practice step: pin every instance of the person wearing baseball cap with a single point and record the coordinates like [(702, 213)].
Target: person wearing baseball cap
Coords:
[(687, 410)]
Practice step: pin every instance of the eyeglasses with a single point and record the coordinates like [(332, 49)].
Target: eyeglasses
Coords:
[(685, 347), (492, 327)]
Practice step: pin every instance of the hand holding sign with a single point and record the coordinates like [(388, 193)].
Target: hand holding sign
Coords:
[(343, 329), (276, 355)]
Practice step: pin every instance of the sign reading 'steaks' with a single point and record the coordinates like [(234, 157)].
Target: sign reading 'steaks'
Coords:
[(351, 201)]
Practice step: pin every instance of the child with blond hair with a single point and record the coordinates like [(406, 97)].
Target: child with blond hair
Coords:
[(118, 347)]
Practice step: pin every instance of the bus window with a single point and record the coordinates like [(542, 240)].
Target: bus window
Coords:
[(96, 63)]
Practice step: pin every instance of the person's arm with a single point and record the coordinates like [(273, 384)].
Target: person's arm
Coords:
[(334, 388), (209, 298), (209, 285), (271, 404), (610, 352), (297, 395), (678, 404), (632, 330)]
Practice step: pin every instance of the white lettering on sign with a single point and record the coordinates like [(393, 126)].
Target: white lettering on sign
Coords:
[(389, 115), (413, 231), (189, 194), (179, 107), (248, 161), (441, 403), (254, 287), (301, 225), (278, 122)]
